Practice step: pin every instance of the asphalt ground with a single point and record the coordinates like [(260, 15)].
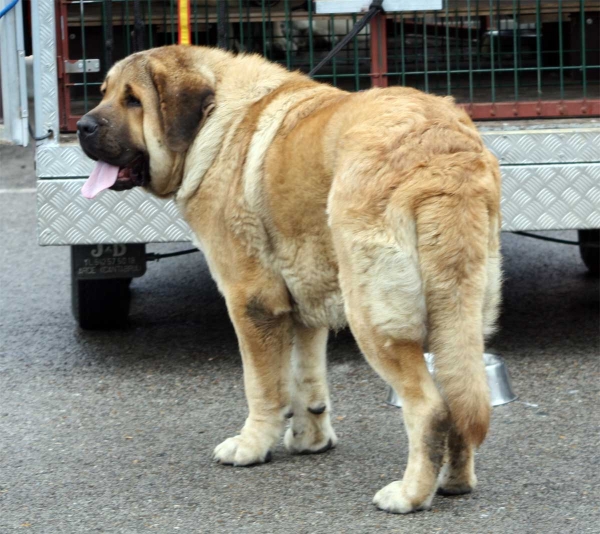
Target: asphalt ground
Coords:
[(113, 431)]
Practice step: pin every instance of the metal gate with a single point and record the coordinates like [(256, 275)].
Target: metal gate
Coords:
[(498, 58)]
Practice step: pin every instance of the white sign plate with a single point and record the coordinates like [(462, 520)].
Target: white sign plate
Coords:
[(328, 7)]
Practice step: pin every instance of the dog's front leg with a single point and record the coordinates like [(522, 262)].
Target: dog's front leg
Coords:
[(310, 431), (264, 328)]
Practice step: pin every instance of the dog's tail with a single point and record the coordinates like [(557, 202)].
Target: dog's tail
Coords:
[(454, 243)]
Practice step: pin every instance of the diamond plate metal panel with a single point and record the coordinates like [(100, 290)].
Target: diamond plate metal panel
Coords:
[(535, 197), (66, 218), (545, 146), (44, 48), (62, 161), (551, 197)]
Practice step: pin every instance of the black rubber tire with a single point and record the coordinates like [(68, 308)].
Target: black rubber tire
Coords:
[(101, 304), (590, 255)]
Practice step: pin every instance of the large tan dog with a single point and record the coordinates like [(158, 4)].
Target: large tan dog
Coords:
[(316, 207)]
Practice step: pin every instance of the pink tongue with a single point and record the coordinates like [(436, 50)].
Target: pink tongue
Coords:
[(103, 176)]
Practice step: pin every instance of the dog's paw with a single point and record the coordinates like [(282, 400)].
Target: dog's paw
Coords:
[(451, 483), (242, 451), (312, 438), (393, 499)]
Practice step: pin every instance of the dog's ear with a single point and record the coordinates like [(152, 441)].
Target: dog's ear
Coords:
[(185, 101)]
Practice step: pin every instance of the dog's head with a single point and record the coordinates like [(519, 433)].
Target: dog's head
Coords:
[(153, 105)]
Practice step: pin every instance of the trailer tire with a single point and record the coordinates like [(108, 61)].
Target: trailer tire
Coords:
[(590, 255), (101, 304)]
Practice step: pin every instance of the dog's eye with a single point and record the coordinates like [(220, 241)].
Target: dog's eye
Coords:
[(133, 102)]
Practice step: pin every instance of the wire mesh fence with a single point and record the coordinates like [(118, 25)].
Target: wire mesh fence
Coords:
[(534, 58)]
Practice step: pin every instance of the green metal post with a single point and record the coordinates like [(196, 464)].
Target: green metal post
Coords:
[(311, 48), (515, 51), (402, 50), (150, 36), (448, 55), (425, 56), (469, 37), (492, 72), (356, 65), (538, 45), (583, 51), (561, 72)]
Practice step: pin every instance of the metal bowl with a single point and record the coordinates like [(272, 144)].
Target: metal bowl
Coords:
[(501, 391)]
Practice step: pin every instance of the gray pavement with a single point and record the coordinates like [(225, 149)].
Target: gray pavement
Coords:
[(113, 431)]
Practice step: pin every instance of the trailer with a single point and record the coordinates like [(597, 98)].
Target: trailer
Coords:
[(527, 71)]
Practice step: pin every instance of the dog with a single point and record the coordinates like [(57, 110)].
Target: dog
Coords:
[(317, 208)]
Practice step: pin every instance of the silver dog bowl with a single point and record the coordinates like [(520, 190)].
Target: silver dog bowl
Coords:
[(501, 391)]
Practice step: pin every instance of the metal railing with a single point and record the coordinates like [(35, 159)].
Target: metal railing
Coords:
[(500, 59)]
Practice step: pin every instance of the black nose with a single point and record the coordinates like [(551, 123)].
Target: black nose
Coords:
[(87, 126)]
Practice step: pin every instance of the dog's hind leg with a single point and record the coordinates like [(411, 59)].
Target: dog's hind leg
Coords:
[(458, 473), (261, 315), (385, 306), (427, 422), (310, 429)]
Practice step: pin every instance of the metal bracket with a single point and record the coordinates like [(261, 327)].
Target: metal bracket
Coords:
[(76, 66)]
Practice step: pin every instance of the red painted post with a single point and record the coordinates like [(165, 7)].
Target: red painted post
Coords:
[(379, 67)]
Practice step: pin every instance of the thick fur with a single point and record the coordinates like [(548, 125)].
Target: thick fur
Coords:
[(317, 208)]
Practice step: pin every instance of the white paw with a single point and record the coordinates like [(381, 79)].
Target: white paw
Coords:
[(242, 451), (393, 499), (313, 437)]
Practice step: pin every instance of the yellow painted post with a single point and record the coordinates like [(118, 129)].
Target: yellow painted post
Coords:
[(185, 33)]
